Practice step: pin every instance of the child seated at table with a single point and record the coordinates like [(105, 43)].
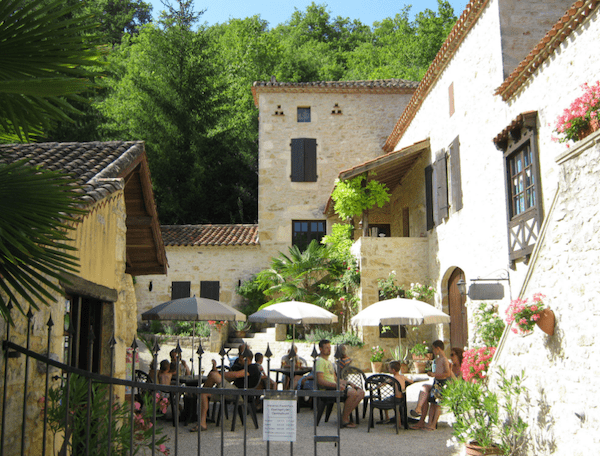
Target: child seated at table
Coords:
[(394, 369), (258, 360)]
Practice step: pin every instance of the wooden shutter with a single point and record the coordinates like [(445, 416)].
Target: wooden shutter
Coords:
[(304, 160), (310, 160), (455, 180), (441, 181), (180, 290), (209, 289), (429, 196), (297, 160)]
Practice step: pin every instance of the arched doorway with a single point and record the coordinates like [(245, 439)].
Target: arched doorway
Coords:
[(459, 329)]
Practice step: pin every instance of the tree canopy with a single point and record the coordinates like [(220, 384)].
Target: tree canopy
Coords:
[(185, 89)]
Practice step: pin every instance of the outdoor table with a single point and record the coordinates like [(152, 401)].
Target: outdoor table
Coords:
[(286, 371)]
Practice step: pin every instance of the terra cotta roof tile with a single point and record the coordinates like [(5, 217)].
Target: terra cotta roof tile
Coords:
[(210, 235)]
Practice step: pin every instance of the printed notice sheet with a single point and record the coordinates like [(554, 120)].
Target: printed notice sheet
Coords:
[(279, 416)]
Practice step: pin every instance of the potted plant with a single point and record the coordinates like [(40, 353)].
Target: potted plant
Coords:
[(420, 354), (487, 422), (240, 328), (581, 118), (476, 361), (377, 354), (402, 359), (526, 315)]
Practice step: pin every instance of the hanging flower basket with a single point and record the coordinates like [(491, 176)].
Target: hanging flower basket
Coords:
[(525, 314)]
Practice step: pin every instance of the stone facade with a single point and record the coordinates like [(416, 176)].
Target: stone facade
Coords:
[(227, 265), (343, 140), (100, 239)]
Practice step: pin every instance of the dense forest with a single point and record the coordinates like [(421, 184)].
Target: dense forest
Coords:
[(185, 88)]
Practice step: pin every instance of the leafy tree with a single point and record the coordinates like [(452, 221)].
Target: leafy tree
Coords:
[(315, 46), (400, 48), (42, 52), (117, 18), (356, 196), (165, 90)]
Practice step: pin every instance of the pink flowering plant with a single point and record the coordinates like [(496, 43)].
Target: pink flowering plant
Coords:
[(476, 362), (524, 313), (578, 117), (98, 406)]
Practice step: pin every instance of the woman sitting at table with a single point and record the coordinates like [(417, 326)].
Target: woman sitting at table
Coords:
[(344, 360)]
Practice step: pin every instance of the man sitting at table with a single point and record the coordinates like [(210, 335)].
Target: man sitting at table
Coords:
[(327, 379), (234, 378), (286, 362)]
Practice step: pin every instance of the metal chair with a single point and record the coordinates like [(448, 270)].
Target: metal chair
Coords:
[(382, 396), (358, 378)]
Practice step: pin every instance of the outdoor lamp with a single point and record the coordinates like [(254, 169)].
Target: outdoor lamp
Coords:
[(462, 287)]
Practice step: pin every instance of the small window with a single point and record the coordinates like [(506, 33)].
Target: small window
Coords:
[(522, 180), (180, 290), (210, 289), (305, 231), (451, 99), (303, 114)]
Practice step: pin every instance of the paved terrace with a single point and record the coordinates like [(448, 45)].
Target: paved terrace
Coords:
[(381, 440)]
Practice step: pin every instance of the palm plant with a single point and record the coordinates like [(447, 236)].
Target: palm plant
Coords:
[(297, 275), (43, 57)]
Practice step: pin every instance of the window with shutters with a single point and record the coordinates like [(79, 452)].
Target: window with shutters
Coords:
[(304, 160), (303, 114), (210, 289), (180, 290), (523, 191), (304, 231)]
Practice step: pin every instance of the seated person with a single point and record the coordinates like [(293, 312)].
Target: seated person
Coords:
[(183, 367), (344, 360), (327, 379), (258, 360), (305, 382), (165, 374), (394, 369), (286, 361), (234, 378)]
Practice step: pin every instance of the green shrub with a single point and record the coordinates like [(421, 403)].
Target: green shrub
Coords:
[(252, 290), (186, 328), (346, 338)]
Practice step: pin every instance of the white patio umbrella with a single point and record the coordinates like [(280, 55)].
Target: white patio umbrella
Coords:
[(193, 309), (293, 313), (399, 311)]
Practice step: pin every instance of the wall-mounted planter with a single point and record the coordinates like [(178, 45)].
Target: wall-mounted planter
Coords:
[(546, 321)]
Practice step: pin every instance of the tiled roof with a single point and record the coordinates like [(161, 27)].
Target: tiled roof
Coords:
[(95, 165), (571, 20), (370, 86), (458, 33), (210, 235)]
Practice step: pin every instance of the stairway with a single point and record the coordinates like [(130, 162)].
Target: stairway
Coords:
[(258, 343)]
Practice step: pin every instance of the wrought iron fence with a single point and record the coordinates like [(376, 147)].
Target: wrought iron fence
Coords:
[(85, 411)]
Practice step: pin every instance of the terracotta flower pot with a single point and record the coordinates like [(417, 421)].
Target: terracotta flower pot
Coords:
[(376, 366), (546, 321), (475, 450)]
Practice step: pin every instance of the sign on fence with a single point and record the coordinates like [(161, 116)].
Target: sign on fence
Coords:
[(279, 416)]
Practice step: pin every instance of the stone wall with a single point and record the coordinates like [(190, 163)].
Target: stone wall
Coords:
[(100, 238), (561, 369), (343, 140), (227, 264)]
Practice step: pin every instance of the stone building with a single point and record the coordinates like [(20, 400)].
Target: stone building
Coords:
[(479, 189), (118, 238)]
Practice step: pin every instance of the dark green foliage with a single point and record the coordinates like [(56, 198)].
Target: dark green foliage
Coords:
[(253, 292), (346, 338)]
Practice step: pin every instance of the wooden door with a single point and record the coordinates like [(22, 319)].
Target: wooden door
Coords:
[(459, 330)]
